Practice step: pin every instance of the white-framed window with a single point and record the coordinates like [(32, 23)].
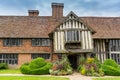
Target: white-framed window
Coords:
[(9, 58)]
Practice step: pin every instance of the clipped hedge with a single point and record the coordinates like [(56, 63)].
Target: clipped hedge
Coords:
[(111, 63), (37, 63), (110, 67), (36, 66)]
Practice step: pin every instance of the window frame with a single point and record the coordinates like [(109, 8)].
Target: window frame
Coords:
[(43, 42), (73, 35), (9, 42), (11, 59)]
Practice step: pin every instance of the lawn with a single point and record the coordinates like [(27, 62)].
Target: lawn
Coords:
[(31, 78), (10, 71), (110, 78)]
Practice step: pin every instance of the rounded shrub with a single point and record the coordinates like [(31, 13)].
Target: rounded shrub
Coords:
[(36, 66), (111, 63), (25, 69), (110, 67), (37, 63), (42, 70)]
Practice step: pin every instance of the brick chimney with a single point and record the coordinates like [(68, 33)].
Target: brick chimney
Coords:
[(33, 12), (57, 10)]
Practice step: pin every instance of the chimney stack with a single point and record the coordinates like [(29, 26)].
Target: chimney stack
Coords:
[(57, 10), (33, 12)]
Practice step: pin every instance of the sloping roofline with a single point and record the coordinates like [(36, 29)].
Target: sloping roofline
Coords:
[(77, 18)]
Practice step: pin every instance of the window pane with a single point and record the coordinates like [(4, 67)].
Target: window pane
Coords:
[(72, 35), (9, 58), (45, 56), (12, 42), (41, 42)]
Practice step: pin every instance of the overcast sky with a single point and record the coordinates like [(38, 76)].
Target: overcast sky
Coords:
[(79, 7)]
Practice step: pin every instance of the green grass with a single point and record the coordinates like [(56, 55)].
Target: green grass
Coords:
[(10, 71), (110, 78), (31, 78)]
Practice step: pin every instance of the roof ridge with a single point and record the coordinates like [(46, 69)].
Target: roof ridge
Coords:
[(98, 17)]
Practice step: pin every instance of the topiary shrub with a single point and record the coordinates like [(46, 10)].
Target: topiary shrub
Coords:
[(110, 67), (3, 66), (36, 66), (25, 69), (37, 63)]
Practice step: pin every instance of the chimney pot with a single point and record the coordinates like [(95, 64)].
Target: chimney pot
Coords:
[(33, 12)]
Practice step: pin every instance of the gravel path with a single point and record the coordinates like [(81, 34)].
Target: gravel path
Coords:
[(78, 76)]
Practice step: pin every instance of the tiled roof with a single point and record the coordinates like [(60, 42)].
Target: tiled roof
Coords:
[(26, 26), (105, 27), (41, 26)]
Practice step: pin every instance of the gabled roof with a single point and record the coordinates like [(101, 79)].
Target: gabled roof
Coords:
[(80, 20), (72, 13), (75, 18), (41, 26)]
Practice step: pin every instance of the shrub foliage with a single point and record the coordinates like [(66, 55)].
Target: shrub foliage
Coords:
[(61, 67), (36, 66), (110, 67), (90, 67), (3, 66)]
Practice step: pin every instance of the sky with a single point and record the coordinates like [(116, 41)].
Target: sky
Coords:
[(79, 7)]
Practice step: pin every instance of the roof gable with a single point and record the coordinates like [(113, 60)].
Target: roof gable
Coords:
[(74, 16), (76, 23)]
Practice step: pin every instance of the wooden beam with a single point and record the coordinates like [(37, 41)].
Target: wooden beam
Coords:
[(79, 25), (62, 40), (64, 26), (55, 41), (76, 24), (83, 26), (83, 40), (58, 40), (86, 40)]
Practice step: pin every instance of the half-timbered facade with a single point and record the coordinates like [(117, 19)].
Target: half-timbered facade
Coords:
[(23, 38)]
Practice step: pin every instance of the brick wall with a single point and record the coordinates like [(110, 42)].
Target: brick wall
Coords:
[(23, 58), (24, 51), (25, 48)]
